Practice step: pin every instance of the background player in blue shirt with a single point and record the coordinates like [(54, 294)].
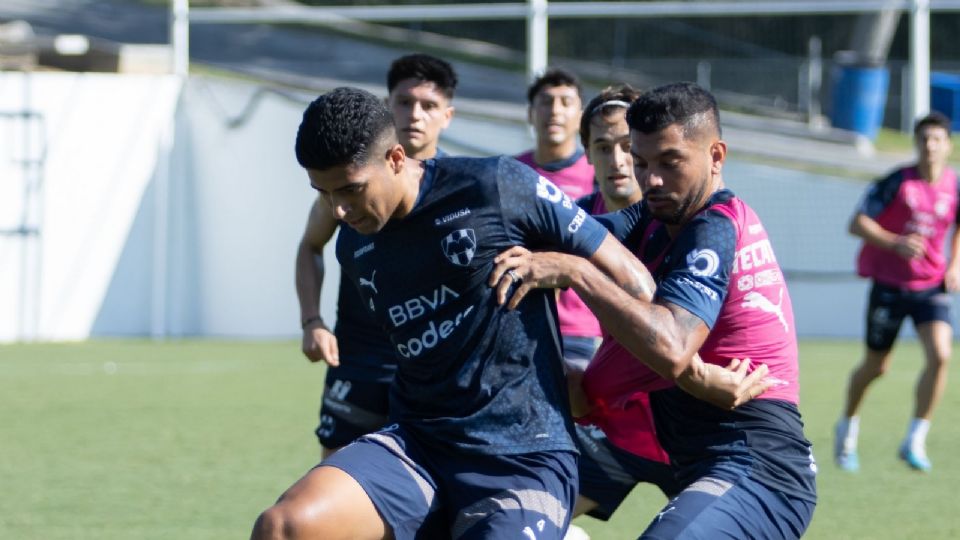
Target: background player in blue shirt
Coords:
[(355, 394), (481, 446)]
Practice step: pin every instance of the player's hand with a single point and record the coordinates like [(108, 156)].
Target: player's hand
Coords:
[(728, 387), (910, 246), (951, 280), (319, 343), (522, 270)]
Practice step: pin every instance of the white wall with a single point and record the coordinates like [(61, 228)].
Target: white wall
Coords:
[(101, 139)]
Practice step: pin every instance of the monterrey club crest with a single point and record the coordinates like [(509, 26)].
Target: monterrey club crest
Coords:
[(459, 246)]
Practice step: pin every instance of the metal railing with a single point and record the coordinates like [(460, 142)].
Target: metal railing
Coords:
[(538, 12)]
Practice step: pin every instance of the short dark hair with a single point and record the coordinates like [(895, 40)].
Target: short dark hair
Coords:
[(619, 96), (684, 103), (553, 77), (425, 68), (341, 127), (935, 118)]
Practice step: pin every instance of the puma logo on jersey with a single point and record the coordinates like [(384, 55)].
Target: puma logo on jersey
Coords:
[(755, 300), (369, 282)]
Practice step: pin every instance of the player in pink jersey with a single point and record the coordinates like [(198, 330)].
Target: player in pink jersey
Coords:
[(554, 112), (903, 221), (748, 471)]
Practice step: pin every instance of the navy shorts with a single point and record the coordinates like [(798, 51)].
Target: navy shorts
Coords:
[(712, 508), (890, 305), (427, 493), (608, 473), (350, 408)]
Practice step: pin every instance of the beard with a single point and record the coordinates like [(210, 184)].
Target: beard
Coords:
[(683, 211)]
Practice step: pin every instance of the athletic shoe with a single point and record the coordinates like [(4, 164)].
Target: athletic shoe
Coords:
[(576, 533), (916, 461), (848, 461)]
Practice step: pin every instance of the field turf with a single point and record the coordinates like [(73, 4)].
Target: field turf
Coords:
[(142, 440)]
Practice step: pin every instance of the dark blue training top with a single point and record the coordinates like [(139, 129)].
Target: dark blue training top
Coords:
[(472, 376)]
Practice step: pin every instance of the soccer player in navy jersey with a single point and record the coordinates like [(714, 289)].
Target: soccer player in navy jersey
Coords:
[(480, 445), (748, 471), (355, 396)]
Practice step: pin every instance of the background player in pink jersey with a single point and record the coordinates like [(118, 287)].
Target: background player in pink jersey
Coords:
[(748, 471), (554, 113), (903, 221)]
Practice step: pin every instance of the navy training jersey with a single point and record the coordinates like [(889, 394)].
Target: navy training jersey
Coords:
[(471, 374), (721, 268)]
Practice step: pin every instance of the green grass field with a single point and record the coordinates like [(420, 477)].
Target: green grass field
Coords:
[(139, 440)]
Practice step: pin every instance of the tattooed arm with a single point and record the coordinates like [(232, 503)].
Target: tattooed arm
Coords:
[(665, 336)]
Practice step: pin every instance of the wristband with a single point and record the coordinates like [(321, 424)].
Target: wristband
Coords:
[(310, 320)]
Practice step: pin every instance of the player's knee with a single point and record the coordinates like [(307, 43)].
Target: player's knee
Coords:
[(939, 361), (277, 523)]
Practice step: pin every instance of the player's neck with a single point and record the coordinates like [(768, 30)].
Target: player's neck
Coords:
[(613, 205), (544, 154), (714, 185), (427, 152), (411, 180), (930, 171)]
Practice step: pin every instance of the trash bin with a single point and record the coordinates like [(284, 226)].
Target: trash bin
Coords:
[(859, 97), (945, 96)]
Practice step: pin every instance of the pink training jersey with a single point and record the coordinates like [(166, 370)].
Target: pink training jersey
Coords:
[(629, 425), (905, 203), (574, 177), (721, 267)]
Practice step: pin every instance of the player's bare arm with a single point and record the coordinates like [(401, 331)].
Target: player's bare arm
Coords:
[(665, 337), (908, 246), (318, 342), (951, 279)]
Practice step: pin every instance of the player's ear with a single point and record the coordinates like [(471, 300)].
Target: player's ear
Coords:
[(396, 156), (718, 153), (447, 117)]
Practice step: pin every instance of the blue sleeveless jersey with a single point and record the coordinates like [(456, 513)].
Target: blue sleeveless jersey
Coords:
[(472, 376)]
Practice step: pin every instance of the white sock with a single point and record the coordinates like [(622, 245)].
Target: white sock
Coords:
[(850, 428), (917, 435)]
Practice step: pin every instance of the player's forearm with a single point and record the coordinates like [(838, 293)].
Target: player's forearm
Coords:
[(648, 330), (872, 233), (954, 249), (309, 280)]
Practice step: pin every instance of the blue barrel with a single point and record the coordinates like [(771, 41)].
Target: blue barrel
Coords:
[(859, 98), (945, 96)]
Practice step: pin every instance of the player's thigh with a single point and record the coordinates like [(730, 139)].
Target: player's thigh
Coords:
[(713, 508), (932, 316), (608, 473), (886, 310), (937, 340), (329, 503), (521, 496), (351, 407), (387, 466)]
